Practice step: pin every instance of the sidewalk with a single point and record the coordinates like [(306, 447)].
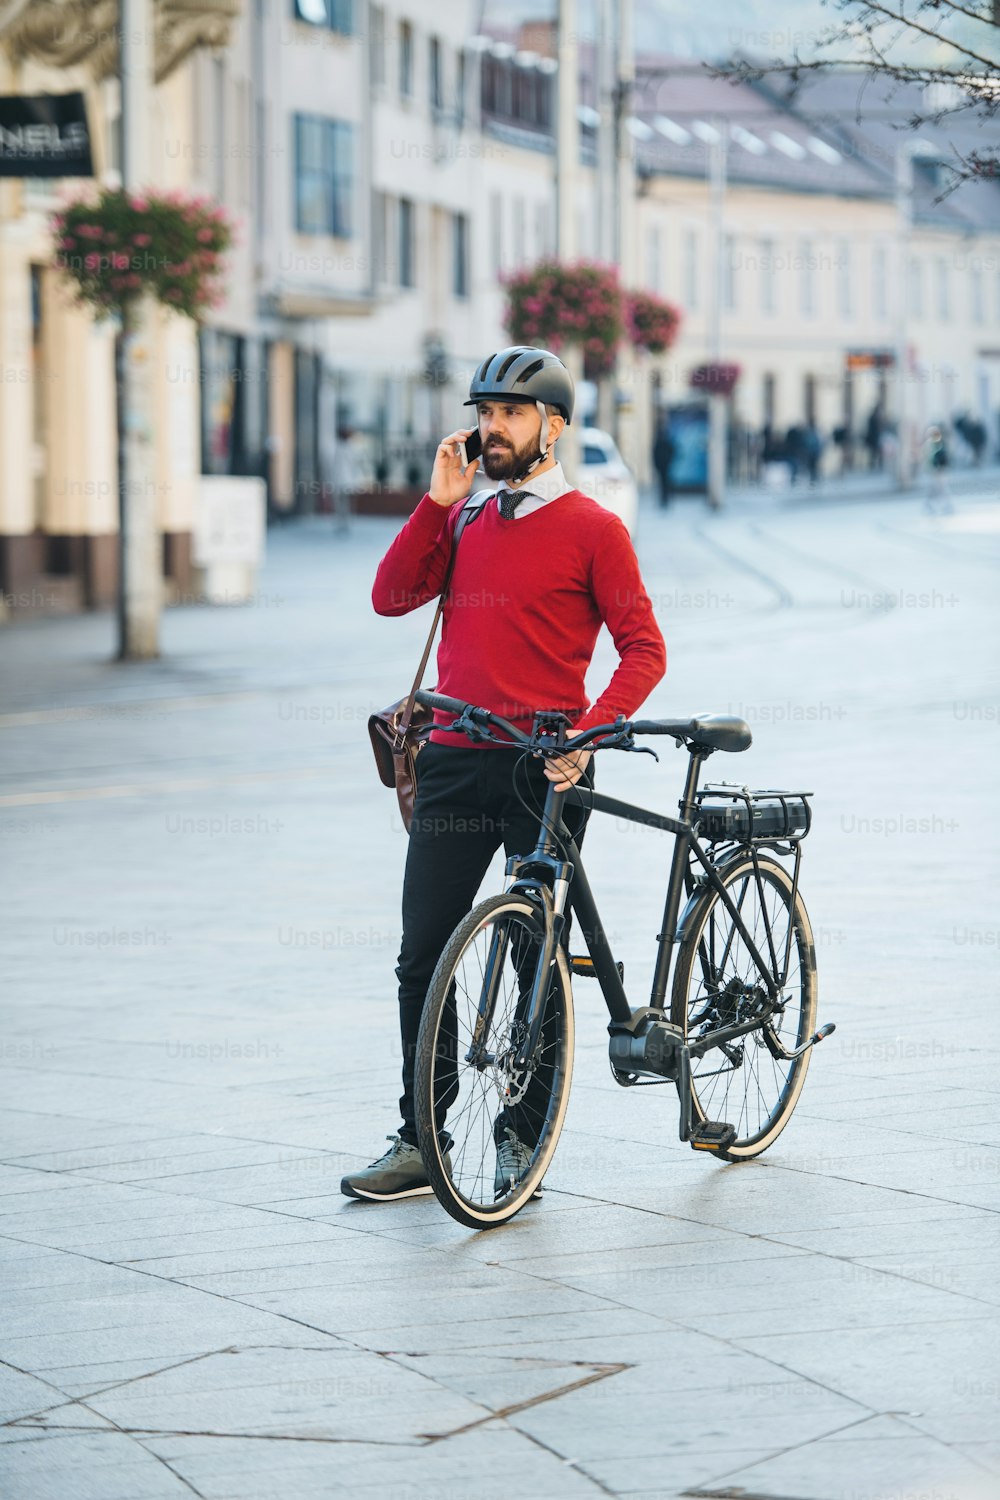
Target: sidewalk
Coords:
[(842, 488), (199, 1037)]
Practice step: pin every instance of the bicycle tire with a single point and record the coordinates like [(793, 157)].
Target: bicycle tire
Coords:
[(464, 1190), (699, 1002)]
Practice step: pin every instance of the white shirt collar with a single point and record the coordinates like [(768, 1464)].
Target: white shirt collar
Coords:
[(544, 487)]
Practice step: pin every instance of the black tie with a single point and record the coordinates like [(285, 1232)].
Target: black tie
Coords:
[(510, 500)]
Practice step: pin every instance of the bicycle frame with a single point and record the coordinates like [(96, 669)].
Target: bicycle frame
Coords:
[(548, 873)]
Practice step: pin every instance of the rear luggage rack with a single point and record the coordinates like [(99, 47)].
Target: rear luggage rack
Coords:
[(734, 814)]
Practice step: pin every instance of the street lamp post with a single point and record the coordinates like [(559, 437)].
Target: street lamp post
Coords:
[(904, 220), (140, 569), (906, 152), (717, 402), (567, 163)]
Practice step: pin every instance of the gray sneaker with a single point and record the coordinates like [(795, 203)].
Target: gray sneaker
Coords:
[(398, 1174), (513, 1160)]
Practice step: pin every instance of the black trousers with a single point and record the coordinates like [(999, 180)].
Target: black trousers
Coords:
[(466, 807)]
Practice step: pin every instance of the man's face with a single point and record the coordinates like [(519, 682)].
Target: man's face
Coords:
[(510, 433)]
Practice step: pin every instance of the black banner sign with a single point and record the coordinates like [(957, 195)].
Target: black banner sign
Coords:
[(44, 136)]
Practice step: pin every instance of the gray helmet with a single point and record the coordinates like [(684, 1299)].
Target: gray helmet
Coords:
[(522, 373)]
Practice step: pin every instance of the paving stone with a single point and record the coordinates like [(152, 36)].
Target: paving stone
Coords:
[(819, 1325)]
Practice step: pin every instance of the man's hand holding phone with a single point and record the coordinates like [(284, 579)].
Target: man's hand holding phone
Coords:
[(455, 465)]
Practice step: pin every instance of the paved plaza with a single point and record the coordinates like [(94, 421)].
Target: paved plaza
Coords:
[(201, 876)]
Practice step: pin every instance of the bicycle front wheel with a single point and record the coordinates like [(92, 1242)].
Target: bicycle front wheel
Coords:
[(488, 1128), (749, 1082)]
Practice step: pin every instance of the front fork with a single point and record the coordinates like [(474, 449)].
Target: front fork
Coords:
[(555, 926), (554, 907)]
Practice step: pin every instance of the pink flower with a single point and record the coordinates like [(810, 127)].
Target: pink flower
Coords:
[(143, 239), (91, 262), (205, 235), (140, 204)]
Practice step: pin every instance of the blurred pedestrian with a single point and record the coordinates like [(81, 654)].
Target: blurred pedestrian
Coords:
[(813, 448), (346, 471), (796, 451), (664, 451), (844, 442), (874, 433), (938, 460)]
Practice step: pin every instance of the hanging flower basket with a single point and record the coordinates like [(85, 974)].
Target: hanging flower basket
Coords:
[(119, 246), (652, 324), (716, 379), (552, 305)]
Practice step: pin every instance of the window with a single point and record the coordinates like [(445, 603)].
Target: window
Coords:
[(845, 281), (406, 59), (880, 284), (219, 79), (496, 233), (520, 254), (324, 176), (807, 279), (541, 230), (653, 258), (916, 288), (263, 205), (437, 90), (460, 90), (335, 15), (943, 288), (380, 235), (768, 399), (460, 258), (977, 305), (377, 52), (691, 269), (729, 272), (407, 255), (766, 266)]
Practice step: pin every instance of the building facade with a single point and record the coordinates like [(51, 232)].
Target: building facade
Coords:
[(387, 167)]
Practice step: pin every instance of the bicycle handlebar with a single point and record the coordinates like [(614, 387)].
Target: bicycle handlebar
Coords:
[(483, 720)]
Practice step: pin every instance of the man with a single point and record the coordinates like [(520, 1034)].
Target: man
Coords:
[(538, 571), (664, 450)]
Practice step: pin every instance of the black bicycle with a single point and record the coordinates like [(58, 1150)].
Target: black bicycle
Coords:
[(495, 1050)]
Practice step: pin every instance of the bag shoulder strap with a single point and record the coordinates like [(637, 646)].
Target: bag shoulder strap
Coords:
[(468, 512)]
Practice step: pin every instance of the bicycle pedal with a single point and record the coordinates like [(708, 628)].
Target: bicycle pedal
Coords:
[(582, 963), (712, 1135)]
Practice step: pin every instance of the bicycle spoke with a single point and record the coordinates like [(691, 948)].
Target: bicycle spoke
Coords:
[(475, 1022), (742, 1082)]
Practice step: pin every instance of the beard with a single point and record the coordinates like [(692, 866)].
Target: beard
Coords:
[(501, 460)]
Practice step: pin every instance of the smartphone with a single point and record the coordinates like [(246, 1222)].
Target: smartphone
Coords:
[(471, 448)]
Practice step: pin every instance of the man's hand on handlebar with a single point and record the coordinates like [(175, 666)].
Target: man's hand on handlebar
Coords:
[(565, 767)]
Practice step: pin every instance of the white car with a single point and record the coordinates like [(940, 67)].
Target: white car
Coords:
[(604, 475), (607, 477)]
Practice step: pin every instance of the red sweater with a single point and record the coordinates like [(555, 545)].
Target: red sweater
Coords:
[(527, 600)]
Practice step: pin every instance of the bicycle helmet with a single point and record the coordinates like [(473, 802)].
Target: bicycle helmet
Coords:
[(522, 373)]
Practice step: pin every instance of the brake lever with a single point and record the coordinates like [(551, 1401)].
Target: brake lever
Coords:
[(627, 742), (466, 724)]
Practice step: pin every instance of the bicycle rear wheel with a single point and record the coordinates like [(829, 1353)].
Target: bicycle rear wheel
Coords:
[(748, 1082), (503, 1123)]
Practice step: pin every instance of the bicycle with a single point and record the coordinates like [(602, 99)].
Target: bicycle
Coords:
[(495, 1047)]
